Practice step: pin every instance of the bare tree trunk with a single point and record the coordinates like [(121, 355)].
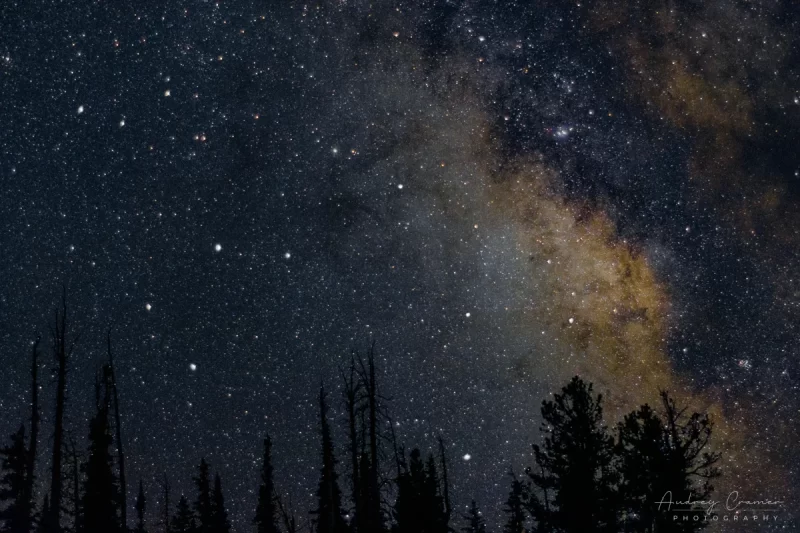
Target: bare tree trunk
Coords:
[(123, 487)]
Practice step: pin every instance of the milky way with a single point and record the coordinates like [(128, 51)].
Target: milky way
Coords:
[(499, 196)]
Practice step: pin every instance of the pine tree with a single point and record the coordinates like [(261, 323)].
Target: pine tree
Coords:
[(14, 516), (420, 506), (183, 521), (475, 521), (141, 507), (663, 455), (433, 500), (514, 509), (203, 505), (266, 509), (100, 506), (407, 511), (329, 514), (219, 516), (576, 464)]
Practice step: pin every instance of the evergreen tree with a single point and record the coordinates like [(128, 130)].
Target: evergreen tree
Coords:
[(419, 507), (203, 505), (410, 486), (475, 521), (219, 516), (663, 455), (14, 517), (433, 499), (183, 521), (266, 508), (329, 514), (514, 509), (141, 507), (576, 463), (100, 506)]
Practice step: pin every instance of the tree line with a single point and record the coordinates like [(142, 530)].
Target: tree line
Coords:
[(585, 477)]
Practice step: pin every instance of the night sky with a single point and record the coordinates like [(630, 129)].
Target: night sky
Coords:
[(499, 195)]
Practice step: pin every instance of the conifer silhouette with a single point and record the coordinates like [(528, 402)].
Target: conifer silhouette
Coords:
[(576, 463), (183, 521), (266, 516), (203, 505), (100, 503), (660, 455), (14, 516), (475, 520), (329, 515), (219, 516), (514, 508)]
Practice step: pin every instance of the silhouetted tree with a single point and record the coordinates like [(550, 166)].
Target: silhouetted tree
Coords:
[(203, 505), (660, 456), (475, 520), (329, 514), (353, 388), (62, 350), (266, 516), (219, 516), (576, 463), (419, 507), (183, 521), (514, 509), (14, 516), (141, 507), (100, 506)]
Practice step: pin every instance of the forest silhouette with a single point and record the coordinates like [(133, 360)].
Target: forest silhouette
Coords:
[(586, 477)]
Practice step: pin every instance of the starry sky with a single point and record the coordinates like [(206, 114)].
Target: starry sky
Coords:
[(499, 195)]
